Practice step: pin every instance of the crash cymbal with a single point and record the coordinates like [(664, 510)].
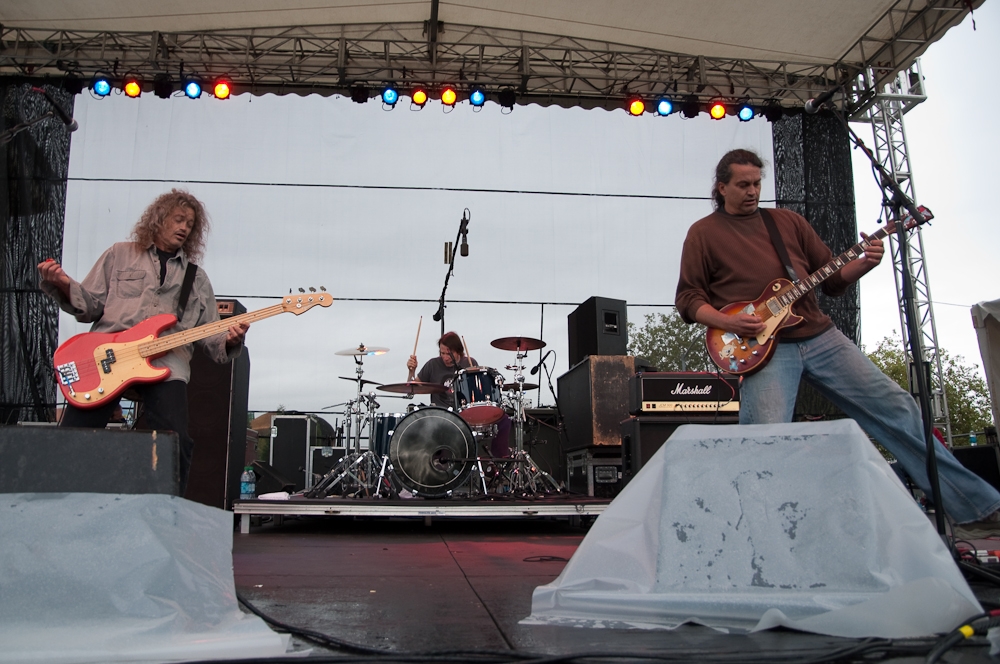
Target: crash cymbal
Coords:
[(413, 387), (364, 381), (517, 343), (515, 387), (363, 350)]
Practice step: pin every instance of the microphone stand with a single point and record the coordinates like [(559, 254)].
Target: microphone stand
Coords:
[(899, 200), (7, 136), (463, 228)]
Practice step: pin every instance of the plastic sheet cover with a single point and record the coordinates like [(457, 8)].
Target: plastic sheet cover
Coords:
[(744, 528), (986, 320), (88, 577)]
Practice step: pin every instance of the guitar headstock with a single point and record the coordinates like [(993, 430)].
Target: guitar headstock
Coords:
[(302, 301), (910, 222)]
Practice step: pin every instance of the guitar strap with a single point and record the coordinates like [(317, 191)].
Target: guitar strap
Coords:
[(779, 244), (186, 289)]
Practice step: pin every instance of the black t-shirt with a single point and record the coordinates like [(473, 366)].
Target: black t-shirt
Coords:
[(435, 371)]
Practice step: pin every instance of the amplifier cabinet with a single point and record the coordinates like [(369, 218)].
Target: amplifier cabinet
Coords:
[(983, 460), (593, 398), (595, 471), (683, 393), (642, 436)]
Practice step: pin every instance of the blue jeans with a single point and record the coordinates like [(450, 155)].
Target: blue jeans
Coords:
[(839, 370)]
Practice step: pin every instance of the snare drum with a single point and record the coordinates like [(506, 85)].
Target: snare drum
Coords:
[(478, 394), (382, 429)]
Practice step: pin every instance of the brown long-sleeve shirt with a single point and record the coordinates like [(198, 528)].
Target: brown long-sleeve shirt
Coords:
[(730, 258)]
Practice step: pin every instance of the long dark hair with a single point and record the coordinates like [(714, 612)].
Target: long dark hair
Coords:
[(724, 171), (452, 342)]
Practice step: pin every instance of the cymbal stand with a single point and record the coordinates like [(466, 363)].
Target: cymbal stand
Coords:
[(525, 475)]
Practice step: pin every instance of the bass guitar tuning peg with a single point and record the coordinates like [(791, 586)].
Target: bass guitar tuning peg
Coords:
[(302, 290), (312, 289)]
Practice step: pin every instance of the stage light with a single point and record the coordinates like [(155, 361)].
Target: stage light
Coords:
[(419, 97), (132, 86), (636, 107), (192, 88), (477, 97), (745, 112), (449, 96), (507, 98), (717, 110), (691, 108), (773, 111), (73, 85), (360, 94), (664, 107), (222, 89), (163, 87), (390, 95)]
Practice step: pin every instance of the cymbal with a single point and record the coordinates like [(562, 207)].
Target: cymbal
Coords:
[(364, 381), (517, 343), (413, 387), (363, 350), (515, 387)]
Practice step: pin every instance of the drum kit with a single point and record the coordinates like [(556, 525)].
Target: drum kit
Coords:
[(432, 452)]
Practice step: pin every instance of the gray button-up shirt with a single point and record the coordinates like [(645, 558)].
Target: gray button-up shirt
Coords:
[(123, 289)]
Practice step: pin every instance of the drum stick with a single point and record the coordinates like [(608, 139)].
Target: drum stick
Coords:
[(466, 347), (409, 376)]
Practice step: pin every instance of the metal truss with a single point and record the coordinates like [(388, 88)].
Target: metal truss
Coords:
[(885, 113), (540, 68)]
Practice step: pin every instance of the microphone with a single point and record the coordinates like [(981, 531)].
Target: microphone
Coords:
[(71, 124), (813, 106), (465, 234), (540, 363)]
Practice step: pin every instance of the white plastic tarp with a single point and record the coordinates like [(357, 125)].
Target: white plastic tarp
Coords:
[(750, 527), (89, 577), (986, 320)]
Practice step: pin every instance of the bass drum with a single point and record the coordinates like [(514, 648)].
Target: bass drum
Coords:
[(432, 452)]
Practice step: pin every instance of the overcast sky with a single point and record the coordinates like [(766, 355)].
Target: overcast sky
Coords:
[(564, 204)]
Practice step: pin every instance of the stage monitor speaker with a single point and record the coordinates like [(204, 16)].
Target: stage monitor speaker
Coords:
[(983, 460), (599, 326), (217, 421), (63, 460), (593, 397), (269, 480), (641, 438), (542, 441)]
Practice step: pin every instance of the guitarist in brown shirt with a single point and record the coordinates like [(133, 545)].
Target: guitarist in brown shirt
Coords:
[(729, 257)]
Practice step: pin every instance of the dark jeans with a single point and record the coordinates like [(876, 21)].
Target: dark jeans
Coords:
[(164, 406)]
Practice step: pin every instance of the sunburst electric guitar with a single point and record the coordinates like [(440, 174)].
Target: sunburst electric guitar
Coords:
[(94, 367), (743, 356)]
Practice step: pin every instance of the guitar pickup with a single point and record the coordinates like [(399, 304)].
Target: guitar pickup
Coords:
[(108, 361)]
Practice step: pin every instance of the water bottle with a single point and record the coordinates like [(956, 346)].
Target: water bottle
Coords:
[(248, 484), (973, 439)]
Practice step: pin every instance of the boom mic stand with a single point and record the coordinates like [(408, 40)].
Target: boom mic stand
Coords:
[(463, 232), (898, 200)]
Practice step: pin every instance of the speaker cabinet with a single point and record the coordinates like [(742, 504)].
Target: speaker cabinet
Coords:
[(599, 326), (36, 459), (217, 414), (593, 397), (642, 436), (983, 460), (542, 441)]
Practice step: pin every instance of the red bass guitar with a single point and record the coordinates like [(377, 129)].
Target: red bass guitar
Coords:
[(743, 356), (93, 367)]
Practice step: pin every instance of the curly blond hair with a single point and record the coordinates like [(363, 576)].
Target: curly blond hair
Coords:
[(151, 222)]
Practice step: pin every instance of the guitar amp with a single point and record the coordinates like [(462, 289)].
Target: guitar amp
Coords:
[(685, 394)]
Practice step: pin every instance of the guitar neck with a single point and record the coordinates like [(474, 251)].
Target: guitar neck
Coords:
[(801, 287), (166, 343)]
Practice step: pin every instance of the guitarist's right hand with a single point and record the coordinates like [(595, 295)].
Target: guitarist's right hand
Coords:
[(744, 325), (53, 273)]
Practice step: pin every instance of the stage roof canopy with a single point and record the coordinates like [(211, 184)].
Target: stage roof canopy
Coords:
[(567, 52)]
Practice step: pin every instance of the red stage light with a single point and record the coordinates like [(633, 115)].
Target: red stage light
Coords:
[(449, 96), (636, 107), (132, 87), (419, 97), (222, 89), (717, 110)]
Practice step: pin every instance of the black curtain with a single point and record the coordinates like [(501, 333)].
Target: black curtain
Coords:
[(34, 162)]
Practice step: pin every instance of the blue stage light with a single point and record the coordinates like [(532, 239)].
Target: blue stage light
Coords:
[(478, 97), (192, 88), (101, 86), (390, 95), (664, 107), (745, 113)]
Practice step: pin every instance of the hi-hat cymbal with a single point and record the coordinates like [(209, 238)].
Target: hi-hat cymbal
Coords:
[(516, 387), (363, 350), (413, 387), (364, 381), (517, 343)]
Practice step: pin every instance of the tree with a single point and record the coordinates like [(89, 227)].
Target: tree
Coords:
[(669, 343), (969, 406)]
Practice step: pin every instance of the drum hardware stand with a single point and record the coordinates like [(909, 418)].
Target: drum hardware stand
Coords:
[(526, 475)]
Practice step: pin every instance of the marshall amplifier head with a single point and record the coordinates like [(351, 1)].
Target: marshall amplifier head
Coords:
[(684, 394)]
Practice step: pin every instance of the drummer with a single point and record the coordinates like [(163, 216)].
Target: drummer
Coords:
[(442, 371)]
